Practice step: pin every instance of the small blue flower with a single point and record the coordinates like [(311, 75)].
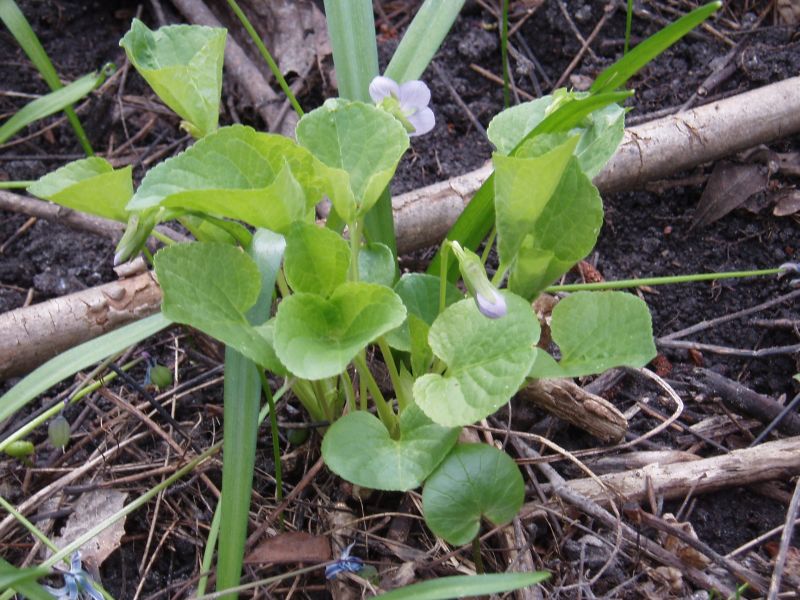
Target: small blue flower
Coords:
[(77, 582), (787, 268), (407, 101), (494, 308), (346, 563)]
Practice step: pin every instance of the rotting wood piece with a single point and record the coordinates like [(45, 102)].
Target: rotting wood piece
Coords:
[(773, 460), (70, 320), (573, 404)]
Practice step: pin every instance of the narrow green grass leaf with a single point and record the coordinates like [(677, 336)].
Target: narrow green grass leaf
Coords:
[(242, 392), (52, 103), (621, 71), (351, 28), (23, 580), (19, 27), (77, 358), (460, 586), (422, 39)]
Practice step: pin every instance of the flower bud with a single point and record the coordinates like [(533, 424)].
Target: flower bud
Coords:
[(487, 297), (58, 432)]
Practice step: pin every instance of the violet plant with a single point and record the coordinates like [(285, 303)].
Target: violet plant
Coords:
[(453, 359)]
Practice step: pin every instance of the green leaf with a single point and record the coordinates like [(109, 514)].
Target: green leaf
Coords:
[(522, 188), (266, 249), (509, 127), (263, 179), (77, 358), (271, 362), (376, 264), (90, 185), (351, 28), (211, 286), (317, 259), (183, 65), (487, 360), (52, 103), (564, 233), (23, 581), (421, 353), (19, 27), (422, 39), (474, 481), (460, 586), (618, 74), (242, 393), (360, 145), (317, 337), (420, 295), (596, 331), (358, 448)]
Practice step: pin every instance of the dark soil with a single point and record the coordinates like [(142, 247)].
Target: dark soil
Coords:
[(645, 234)]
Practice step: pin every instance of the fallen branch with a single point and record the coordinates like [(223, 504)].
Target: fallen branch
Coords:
[(773, 460), (571, 403), (31, 335), (649, 151)]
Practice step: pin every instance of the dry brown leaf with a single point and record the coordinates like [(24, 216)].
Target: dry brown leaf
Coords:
[(787, 202), (291, 547), (789, 11), (681, 549), (90, 509), (729, 186)]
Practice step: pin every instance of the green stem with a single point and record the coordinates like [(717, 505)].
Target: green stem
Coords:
[(208, 553), (444, 253), (629, 283), (488, 247), (322, 399), (355, 247), (32, 529), (273, 66), (362, 394), (15, 185), (476, 555), (399, 389), (165, 239), (308, 398), (349, 391), (283, 287), (385, 411), (628, 22)]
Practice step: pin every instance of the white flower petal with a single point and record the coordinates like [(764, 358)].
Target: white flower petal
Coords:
[(422, 120), (414, 94), (381, 87)]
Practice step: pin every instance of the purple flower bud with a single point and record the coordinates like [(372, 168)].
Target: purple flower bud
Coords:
[(494, 308), (413, 98)]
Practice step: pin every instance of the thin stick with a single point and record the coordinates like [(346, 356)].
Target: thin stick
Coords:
[(786, 539)]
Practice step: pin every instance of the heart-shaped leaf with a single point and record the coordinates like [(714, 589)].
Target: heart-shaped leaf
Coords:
[(90, 185), (263, 179), (317, 259), (487, 361), (596, 331), (358, 448), (376, 264), (183, 65), (360, 145), (317, 337), (474, 481), (420, 295), (211, 286)]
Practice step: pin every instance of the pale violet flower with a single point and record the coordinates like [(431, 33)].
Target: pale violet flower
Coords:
[(494, 308), (77, 583), (407, 101)]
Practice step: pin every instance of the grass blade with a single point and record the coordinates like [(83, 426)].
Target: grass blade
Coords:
[(422, 39), (77, 358), (626, 67), (351, 27), (242, 392), (19, 27), (23, 580), (52, 103), (459, 586)]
